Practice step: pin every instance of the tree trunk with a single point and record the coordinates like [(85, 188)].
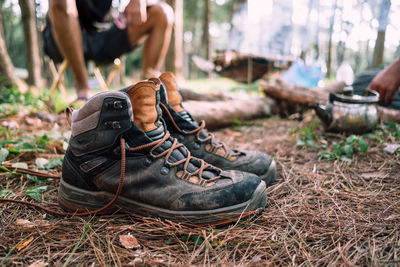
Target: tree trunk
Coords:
[(317, 32), (174, 59), (306, 32), (383, 19), (329, 60), (33, 61), (206, 40), (6, 65)]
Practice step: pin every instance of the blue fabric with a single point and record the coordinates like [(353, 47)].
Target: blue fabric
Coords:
[(304, 76)]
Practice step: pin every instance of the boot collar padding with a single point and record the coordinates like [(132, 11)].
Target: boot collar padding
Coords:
[(87, 117)]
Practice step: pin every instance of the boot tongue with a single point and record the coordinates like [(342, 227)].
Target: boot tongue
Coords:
[(170, 97), (145, 97), (173, 97)]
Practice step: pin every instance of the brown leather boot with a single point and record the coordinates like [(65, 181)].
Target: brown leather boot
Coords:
[(203, 144), (121, 153)]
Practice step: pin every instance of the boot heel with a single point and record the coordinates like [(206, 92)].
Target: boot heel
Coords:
[(77, 200)]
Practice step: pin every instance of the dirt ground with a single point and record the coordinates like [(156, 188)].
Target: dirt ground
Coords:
[(319, 213)]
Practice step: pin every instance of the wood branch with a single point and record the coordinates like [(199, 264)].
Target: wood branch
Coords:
[(282, 91), (219, 114), (188, 95), (295, 94), (387, 114)]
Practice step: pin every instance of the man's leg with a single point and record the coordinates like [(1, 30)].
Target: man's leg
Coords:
[(157, 29), (63, 15)]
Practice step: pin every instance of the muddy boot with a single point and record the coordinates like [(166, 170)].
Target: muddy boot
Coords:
[(121, 157), (203, 144)]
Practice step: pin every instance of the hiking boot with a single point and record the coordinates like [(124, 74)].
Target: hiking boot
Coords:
[(121, 157), (203, 144)]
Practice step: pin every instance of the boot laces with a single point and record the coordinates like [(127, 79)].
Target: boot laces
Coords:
[(167, 153), (214, 144)]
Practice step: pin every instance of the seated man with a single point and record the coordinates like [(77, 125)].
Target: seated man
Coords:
[(385, 82), (73, 32)]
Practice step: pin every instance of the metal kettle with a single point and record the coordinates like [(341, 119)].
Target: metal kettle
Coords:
[(347, 112)]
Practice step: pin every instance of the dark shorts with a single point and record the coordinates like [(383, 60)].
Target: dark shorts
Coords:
[(364, 79), (100, 46)]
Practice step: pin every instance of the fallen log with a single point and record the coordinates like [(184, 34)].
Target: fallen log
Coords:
[(285, 94), (220, 114), (299, 95), (387, 114)]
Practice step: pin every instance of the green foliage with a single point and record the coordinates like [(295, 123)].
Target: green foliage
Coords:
[(342, 150), (37, 180), (388, 129), (237, 122), (12, 101), (308, 137), (36, 193), (193, 239), (345, 150), (53, 163), (3, 155), (6, 193)]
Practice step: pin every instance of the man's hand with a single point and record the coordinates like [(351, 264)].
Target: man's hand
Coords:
[(386, 82), (135, 12)]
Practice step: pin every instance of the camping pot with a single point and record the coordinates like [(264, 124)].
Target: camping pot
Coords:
[(350, 113)]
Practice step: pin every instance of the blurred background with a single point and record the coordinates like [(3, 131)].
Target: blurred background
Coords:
[(351, 35)]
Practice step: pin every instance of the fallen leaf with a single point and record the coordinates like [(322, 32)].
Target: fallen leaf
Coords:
[(22, 165), (39, 263), (33, 121), (129, 241), (391, 148), (40, 162), (24, 244), (374, 175), (256, 258), (3, 155), (137, 262), (11, 125)]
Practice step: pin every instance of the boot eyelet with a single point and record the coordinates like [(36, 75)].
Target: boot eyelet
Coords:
[(112, 124), (168, 164), (151, 156), (116, 125), (196, 146), (164, 170), (117, 104), (147, 162)]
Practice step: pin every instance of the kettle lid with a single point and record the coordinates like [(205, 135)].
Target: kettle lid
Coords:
[(347, 96)]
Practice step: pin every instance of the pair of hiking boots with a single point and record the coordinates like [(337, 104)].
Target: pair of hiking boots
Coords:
[(138, 150)]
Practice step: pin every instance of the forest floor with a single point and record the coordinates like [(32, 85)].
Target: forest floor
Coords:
[(336, 201)]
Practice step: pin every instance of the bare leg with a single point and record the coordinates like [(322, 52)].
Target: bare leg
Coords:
[(157, 33), (63, 15)]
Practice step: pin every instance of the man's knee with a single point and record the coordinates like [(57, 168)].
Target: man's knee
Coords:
[(162, 13), (62, 8)]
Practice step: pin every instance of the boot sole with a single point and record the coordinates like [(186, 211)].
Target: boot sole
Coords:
[(74, 199), (270, 176)]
